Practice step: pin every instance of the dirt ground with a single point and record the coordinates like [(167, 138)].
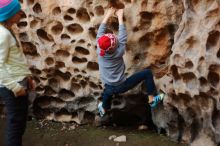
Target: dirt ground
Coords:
[(57, 134)]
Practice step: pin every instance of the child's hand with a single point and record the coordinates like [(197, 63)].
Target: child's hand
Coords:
[(110, 12), (119, 13), (21, 92), (31, 84)]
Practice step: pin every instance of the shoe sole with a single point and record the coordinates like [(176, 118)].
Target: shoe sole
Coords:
[(162, 95)]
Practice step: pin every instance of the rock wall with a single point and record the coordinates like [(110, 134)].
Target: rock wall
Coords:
[(192, 83), (58, 39)]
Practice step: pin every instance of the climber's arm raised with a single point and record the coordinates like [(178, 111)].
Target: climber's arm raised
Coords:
[(122, 33), (102, 27)]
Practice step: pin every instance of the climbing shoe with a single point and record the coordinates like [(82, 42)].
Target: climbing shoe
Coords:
[(156, 100), (101, 109)]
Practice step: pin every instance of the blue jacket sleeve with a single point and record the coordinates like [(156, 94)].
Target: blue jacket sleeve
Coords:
[(101, 32), (122, 34), (122, 38)]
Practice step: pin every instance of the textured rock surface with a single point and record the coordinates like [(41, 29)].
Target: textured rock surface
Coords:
[(194, 66), (58, 38)]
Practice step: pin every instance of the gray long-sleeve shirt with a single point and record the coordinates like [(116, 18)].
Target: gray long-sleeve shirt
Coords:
[(111, 66)]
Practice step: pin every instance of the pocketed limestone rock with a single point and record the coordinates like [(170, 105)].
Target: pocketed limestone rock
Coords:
[(194, 70), (58, 39), (179, 40)]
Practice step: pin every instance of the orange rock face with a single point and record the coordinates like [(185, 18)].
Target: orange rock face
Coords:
[(178, 39)]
